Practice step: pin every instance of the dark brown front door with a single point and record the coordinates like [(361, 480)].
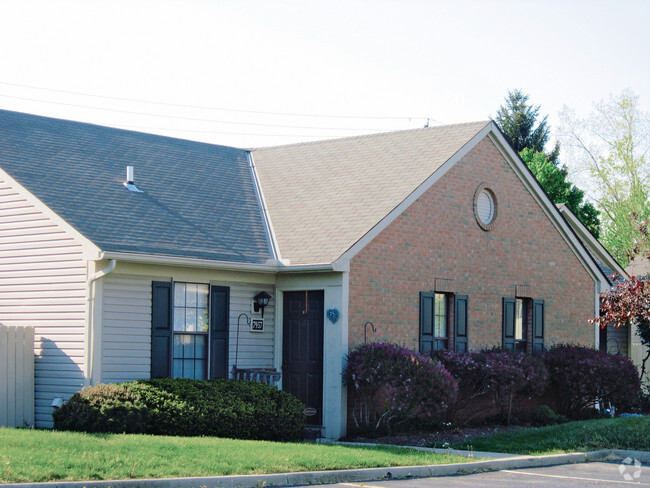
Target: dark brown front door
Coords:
[(302, 350)]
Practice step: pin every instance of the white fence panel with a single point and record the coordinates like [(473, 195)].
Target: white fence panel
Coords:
[(16, 376)]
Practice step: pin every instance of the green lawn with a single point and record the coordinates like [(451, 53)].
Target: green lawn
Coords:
[(41, 455), (620, 433)]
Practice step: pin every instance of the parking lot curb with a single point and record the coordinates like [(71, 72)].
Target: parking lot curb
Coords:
[(351, 475)]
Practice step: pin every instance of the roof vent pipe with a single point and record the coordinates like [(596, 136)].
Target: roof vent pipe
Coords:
[(129, 181)]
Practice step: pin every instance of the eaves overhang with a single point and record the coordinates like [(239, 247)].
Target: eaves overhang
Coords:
[(271, 266)]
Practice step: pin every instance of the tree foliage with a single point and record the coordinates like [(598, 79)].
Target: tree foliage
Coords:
[(610, 148), (518, 120), (628, 304), (554, 181)]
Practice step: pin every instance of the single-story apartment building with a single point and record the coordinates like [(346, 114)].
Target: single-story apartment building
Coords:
[(135, 255)]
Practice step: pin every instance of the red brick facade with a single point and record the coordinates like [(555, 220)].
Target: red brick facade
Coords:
[(438, 237)]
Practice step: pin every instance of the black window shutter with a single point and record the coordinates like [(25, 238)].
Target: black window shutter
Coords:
[(219, 325), (161, 329), (460, 323), (538, 326), (509, 324), (426, 321)]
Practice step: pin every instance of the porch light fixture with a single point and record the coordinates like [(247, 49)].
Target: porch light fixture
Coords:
[(260, 301)]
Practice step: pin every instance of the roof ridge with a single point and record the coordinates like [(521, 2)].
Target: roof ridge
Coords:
[(373, 134)]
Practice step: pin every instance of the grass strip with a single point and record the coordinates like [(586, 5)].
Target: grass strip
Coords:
[(41, 455), (620, 433)]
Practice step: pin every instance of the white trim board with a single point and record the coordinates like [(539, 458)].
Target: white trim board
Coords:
[(524, 175), (357, 247)]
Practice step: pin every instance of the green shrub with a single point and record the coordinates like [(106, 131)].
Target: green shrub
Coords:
[(103, 408), (544, 415), (176, 406)]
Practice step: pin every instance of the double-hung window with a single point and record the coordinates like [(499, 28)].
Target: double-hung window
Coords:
[(436, 312), (190, 350), (523, 325), (189, 330)]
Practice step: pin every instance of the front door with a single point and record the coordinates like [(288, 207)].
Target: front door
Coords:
[(302, 350)]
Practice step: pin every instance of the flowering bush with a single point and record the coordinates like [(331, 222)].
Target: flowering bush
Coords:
[(492, 379), (628, 304), (392, 384), (581, 376)]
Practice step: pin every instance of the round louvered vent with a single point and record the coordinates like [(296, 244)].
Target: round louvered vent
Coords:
[(485, 207)]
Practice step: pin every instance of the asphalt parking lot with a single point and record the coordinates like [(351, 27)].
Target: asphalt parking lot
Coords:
[(565, 476)]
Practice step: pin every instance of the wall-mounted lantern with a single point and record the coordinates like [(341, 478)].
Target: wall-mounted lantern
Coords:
[(260, 301)]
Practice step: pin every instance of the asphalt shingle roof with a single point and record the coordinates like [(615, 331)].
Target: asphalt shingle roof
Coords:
[(198, 199), (325, 196)]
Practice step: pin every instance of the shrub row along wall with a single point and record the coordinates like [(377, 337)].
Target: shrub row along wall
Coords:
[(392, 386), (176, 406)]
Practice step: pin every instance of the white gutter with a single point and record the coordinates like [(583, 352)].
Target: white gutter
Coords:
[(272, 266), (583, 233), (273, 242), (90, 315)]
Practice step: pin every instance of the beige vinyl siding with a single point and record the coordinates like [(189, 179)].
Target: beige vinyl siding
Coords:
[(43, 284), (617, 339), (255, 349), (126, 332)]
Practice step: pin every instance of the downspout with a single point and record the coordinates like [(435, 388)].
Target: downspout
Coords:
[(90, 314)]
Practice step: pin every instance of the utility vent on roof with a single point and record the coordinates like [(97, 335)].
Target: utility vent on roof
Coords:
[(129, 181)]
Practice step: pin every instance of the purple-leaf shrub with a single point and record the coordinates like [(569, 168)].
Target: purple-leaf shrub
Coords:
[(581, 376), (473, 385), (391, 384), (492, 379)]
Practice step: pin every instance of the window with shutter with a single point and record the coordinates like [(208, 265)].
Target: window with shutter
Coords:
[(189, 330), (461, 342), (434, 321), (538, 326), (161, 329), (518, 314)]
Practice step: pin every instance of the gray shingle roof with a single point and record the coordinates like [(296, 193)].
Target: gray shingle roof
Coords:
[(198, 199), (324, 196)]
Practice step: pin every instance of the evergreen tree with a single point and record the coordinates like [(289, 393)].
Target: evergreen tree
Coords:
[(517, 119)]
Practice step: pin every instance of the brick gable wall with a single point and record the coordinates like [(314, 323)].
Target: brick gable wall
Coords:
[(437, 237)]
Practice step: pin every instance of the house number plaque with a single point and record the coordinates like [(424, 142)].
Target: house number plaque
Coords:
[(257, 325)]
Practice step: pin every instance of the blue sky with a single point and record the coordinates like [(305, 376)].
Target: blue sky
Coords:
[(166, 66)]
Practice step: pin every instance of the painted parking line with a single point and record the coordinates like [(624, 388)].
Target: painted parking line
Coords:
[(579, 478), (357, 485)]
